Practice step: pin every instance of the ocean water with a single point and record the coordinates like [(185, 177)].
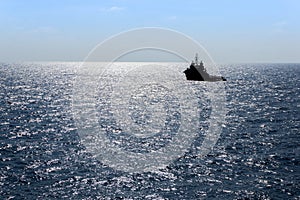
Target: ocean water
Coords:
[(43, 157)]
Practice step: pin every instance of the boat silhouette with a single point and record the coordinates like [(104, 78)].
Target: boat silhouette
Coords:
[(197, 72)]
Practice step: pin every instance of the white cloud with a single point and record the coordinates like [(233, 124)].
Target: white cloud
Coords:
[(280, 26), (43, 30), (116, 8), (280, 23), (172, 17), (112, 9)]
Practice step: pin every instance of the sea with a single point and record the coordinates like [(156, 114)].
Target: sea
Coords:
[(44, 155)]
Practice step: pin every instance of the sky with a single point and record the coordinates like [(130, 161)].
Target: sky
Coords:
[(231, 31)]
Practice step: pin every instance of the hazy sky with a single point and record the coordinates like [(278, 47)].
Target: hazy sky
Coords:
[(230, 30)]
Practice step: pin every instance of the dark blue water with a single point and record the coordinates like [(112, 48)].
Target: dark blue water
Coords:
[(256, 157)]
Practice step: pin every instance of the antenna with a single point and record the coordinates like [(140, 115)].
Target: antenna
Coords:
[(196, 59)]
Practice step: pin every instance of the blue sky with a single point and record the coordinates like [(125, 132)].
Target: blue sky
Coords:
[(230, 30)]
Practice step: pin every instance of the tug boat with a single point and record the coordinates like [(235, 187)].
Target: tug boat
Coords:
[(197, 72)]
